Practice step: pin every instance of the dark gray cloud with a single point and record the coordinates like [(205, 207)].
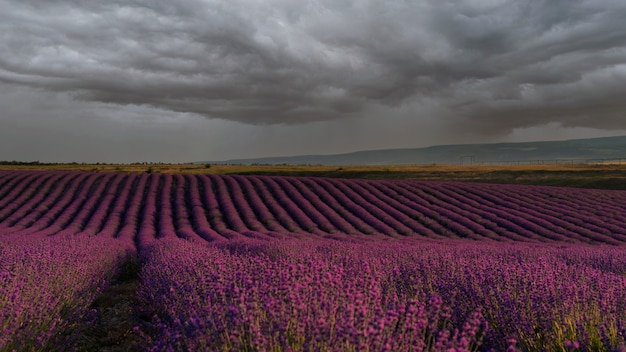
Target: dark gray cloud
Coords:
[(492, 65)]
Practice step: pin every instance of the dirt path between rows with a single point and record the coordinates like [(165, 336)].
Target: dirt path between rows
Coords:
[(112, 325)]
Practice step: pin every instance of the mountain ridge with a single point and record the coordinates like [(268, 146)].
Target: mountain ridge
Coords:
[(583, 150)]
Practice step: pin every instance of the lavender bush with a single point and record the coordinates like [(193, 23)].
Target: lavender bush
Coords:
[(47, 286)]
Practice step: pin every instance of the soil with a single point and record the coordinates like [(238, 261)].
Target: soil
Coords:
[(115, 324)]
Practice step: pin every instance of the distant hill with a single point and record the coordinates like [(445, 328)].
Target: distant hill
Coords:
[(577, 150)]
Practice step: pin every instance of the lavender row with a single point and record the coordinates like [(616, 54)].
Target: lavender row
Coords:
[(321, 224), (15, 196), (487, 213), (70, 204), (258, 206), (431, 213), (341, 204), (107, 216), (51, 205), (198, 211), (328, 210), (277, 213), (368, 208), (145, 225), (292, 208), (499, 221), (221, 211), (604, 211), (13, 183), (180, 214), (534, 218), (17, 203)]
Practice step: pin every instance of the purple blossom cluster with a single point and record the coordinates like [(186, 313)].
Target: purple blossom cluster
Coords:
[(395, 295), (293, 296)]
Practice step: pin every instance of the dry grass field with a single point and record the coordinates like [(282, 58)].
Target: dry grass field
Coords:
[(605, 176)]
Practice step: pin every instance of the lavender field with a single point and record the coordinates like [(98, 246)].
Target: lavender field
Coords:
[(270, 263)]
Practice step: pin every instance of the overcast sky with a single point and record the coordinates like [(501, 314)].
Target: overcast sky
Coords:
[(174, 81)]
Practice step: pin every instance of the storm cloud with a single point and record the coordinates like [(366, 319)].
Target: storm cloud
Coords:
[(487, 67)]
